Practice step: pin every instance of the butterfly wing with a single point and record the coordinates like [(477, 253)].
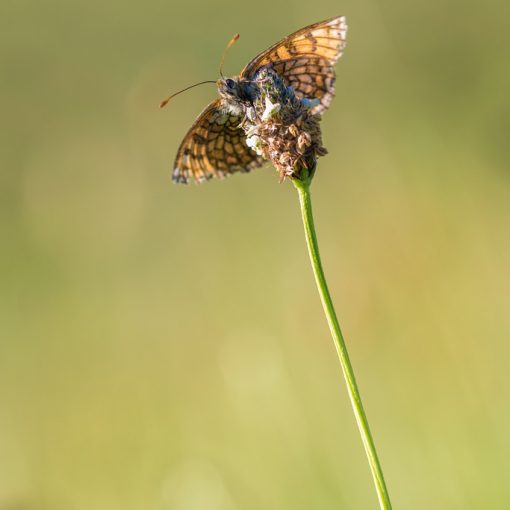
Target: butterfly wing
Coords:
[(215, 146), (305, 59)]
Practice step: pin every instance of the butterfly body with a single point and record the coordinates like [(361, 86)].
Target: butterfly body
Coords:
[(237, 93), (215, 145)]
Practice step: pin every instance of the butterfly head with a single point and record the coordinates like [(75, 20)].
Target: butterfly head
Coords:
[(237, 92), (228, 88)]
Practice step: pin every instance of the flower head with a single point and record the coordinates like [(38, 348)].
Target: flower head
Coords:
[(281, 127)]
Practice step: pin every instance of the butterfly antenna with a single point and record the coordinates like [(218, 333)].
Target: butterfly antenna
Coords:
[(231, 42), (164, 102)]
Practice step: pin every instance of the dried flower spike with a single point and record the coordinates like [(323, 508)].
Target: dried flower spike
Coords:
[(282, 128)]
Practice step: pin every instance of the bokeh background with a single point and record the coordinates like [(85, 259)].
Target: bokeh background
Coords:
[(164, 347)]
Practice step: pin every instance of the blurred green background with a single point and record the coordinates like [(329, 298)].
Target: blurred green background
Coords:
[(164, 347)]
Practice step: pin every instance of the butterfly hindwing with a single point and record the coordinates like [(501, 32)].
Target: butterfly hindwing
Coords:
[(305, 59), (215, 146), (313, 78)]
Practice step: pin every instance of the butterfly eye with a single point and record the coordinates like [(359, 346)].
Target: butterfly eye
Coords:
[(230, 83)]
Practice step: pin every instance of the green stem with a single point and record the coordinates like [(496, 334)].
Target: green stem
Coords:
[(303, 188)]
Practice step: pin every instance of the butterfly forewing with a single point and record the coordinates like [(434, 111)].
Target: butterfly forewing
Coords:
[(305, 59), (215, 146)]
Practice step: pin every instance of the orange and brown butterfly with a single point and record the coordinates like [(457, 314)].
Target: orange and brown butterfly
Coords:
[(215, 145)]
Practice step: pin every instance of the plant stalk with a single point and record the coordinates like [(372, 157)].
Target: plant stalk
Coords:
[(303, 188)]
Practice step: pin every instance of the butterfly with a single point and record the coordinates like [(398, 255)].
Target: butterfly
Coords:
[(215, 145)]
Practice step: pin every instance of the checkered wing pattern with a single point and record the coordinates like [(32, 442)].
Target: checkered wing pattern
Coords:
[(306, 59), (215, 146)]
